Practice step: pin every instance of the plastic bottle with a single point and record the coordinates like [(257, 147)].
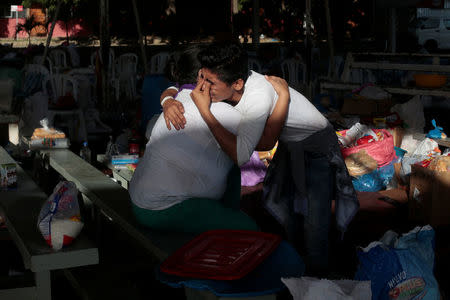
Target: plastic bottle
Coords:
[(85, 152)]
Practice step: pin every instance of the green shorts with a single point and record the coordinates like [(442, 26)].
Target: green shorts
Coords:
[(196, 215)]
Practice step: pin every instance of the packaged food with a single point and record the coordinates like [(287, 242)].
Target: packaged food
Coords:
[(8, 176)]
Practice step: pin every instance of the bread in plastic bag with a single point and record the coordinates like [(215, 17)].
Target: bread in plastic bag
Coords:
[(440, 164), (59, 220), (360, 163)]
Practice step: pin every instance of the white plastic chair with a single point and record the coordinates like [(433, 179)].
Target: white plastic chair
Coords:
[(126, 70), (60, 85), (36, 68), (112, 57), (294, 72), (254, 64), (59, 60), (158, 63), (338, 63), (87, 83), (33, 76), (38, 59)]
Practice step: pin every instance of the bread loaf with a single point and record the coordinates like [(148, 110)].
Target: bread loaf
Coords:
[(51, 133)]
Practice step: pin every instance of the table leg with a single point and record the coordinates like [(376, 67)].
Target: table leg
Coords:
[(43, 285)]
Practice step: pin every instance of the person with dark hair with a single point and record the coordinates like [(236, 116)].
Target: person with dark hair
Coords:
[(185, 182), (307, 171), (179, 182)]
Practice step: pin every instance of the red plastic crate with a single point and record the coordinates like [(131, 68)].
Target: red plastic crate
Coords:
[(221, 254)]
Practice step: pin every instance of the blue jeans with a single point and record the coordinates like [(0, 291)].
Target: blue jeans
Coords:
[(316, 225)]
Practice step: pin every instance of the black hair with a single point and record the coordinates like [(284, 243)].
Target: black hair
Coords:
[(183, 65), (229, 61)]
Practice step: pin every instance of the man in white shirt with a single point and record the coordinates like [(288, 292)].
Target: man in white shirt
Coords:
[(178, 165), (308, 146), (180, 181)]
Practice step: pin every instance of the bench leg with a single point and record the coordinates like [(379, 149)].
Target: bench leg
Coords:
[(193, 294), (43, 285)]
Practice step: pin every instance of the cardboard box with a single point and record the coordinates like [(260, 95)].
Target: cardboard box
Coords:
[(429, 196), (364, 106)]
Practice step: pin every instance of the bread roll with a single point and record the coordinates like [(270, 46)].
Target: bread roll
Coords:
[(51, 133), (360, 163)]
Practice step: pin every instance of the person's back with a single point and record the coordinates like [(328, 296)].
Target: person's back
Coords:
[(181, 164), (184, 174)]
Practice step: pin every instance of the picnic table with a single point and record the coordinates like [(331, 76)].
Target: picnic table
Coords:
[(20, 208), (112, 200)]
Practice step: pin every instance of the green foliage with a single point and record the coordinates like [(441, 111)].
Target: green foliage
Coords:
[(241, 3), (50, 5), (29, 24)]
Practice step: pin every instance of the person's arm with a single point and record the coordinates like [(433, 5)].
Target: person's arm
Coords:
[(226, 139), (173, 110), (276, 121)]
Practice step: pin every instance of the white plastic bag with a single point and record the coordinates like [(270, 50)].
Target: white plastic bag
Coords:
[(308, 288), (411, 113), (374, 92), (426, 147), (59, 220)]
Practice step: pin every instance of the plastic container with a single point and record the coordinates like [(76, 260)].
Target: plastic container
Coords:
[(221, 254), (430, 80), (123, 159), (85, 152)]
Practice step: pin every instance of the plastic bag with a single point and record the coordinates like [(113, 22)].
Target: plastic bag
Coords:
[(412, 114), (360, 163), (253, 171), (427, 147), (374, 92), (437, 132), (400, 267), (381, 150), (368, 182), (59, 220), (308, 288)]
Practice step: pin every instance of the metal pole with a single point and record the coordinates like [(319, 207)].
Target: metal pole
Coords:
[(255, 33), (332, 69), (393, 29), (308, 46), (105, 43)]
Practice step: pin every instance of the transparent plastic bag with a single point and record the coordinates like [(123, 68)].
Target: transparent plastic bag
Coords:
[(59, 220)]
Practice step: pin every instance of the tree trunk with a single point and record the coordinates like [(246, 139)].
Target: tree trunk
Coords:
[(141, 42), (50, 34), (67, 31)]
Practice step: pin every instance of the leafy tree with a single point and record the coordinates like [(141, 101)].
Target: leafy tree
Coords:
[(29, 24), (70, 9)]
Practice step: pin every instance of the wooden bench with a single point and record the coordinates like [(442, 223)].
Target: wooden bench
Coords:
[(114, 201), (20, 209)]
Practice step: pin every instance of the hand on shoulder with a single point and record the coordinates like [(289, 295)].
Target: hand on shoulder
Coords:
[(279, 84)]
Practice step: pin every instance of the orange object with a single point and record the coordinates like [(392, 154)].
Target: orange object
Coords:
[(430, 80)]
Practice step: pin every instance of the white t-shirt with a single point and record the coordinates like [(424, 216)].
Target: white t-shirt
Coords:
[(255, 106), (178, 165)]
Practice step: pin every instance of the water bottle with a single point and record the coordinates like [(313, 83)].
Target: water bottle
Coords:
[(85, 152)]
